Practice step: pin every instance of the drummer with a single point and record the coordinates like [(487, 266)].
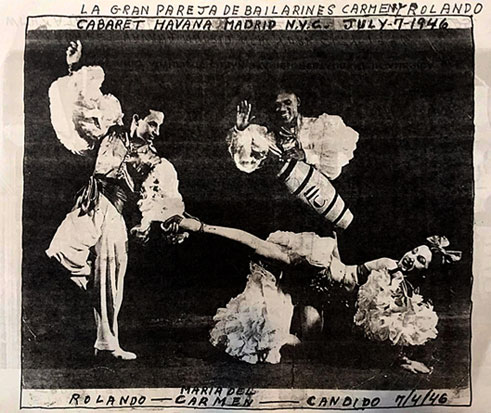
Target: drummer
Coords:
[(323, 141)]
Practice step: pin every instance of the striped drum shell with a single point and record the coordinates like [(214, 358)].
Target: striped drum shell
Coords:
[(315, 189)]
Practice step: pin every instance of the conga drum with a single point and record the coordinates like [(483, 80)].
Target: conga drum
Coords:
[(315, 190)]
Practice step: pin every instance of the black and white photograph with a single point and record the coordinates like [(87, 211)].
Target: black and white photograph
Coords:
[(256, 211)]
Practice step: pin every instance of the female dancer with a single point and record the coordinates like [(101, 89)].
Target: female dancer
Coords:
[(255, 325), (389, 309)]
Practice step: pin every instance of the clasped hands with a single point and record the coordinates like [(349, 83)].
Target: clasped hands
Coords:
[(170, 230)]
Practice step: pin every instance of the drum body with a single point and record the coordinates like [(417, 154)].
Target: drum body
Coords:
[(315, 189)]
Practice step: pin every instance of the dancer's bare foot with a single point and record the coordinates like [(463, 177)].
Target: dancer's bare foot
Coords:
[(312, 322), (415, 366)]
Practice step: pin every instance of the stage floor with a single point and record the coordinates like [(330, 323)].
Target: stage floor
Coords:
[(175, 352)]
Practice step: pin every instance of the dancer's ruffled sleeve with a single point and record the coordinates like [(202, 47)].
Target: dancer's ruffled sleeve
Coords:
[(249, 148), (160, 197), (328, 143), (386, 311), (80, 113)]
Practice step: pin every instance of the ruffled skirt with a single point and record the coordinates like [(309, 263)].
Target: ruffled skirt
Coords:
[(386, 311), (256, 324)]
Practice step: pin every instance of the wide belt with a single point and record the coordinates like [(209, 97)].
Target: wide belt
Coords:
[(112, 189)]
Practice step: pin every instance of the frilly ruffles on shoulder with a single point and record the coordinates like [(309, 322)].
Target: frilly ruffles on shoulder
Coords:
[(80, 113), (385, 311), (160, 196), (328, 143), (249, 148), (256, 324)]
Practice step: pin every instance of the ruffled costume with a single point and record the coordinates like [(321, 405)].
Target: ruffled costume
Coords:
[(255, 325), (327, 142), (80, 113), (389, 310)]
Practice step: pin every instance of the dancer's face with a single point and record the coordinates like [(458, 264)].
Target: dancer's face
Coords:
[(286, 108), (148, 128), (418, 258)]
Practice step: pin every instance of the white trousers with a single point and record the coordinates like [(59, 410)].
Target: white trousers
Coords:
[(104, 231)]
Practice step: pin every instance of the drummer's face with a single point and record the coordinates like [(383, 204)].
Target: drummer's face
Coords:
[(286, 108)]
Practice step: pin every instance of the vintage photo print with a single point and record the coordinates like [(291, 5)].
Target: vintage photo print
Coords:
[(257, 207)]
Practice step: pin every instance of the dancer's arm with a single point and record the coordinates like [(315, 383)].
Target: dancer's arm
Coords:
[(261, 247), (356, 275), (381, 264)]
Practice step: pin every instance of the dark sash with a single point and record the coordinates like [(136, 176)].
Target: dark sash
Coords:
[(112, 189)]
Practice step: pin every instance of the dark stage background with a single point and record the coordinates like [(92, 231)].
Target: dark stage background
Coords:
[(409, 95)]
